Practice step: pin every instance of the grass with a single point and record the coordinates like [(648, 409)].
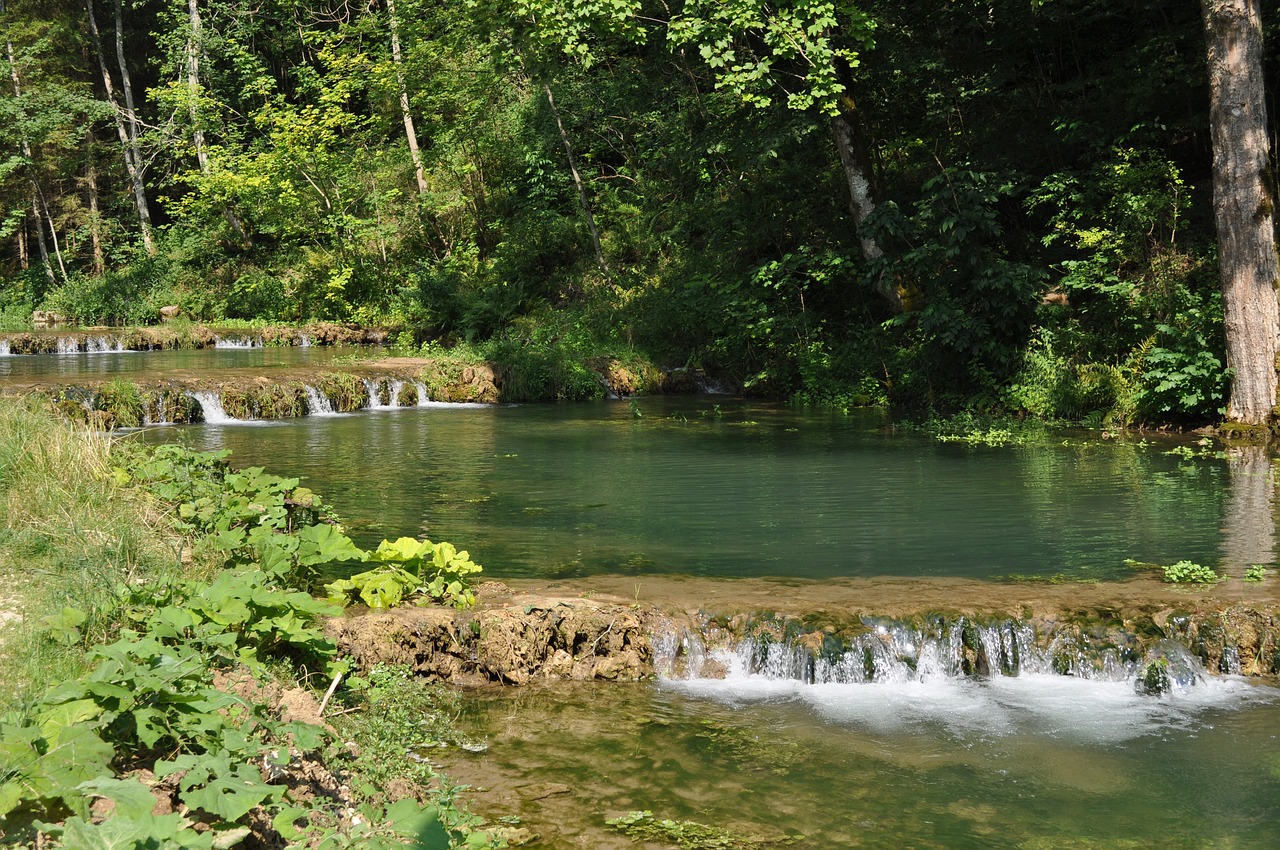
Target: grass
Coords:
[(69, 536)]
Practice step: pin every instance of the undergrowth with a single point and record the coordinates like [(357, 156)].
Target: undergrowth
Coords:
[(165, 573)]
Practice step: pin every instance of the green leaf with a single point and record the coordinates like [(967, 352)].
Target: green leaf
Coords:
[(421, 825), (132, 798)]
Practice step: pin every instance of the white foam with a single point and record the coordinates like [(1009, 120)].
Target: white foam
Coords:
[(318, 403), (211, 407), (237, 342), (1042, 704)]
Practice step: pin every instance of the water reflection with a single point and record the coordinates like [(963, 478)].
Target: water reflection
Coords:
[(747, 489), (1248, 521)]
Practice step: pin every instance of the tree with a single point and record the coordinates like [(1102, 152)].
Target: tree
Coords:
[(1244, 207)]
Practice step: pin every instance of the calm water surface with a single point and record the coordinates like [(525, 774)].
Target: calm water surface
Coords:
[(719, 487), (135, 365)]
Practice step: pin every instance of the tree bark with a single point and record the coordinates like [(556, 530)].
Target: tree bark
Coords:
[(1244, 207), (405, 112), (95, 215), (857, 174), (583, 200), (193, 86), (132, 169), (131, 120)]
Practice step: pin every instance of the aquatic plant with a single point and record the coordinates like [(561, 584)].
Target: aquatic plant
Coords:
[(691, 835), (1186, 572), (1255, 572)]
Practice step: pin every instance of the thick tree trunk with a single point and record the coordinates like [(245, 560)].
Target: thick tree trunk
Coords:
[(131, 122), (132, 168), (1243, 205), (405, 112), (583, 200)]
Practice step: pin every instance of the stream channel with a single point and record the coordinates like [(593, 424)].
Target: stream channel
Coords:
[(716, 487)]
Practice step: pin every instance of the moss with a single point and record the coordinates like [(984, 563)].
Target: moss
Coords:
[(346, 392)]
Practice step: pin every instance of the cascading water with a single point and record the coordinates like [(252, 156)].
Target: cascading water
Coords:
[(237, 342), (318, 404), (103, 345), (211, 407), (375, 395), (4, 348), (392, 401), (68, 345), (993, 678)]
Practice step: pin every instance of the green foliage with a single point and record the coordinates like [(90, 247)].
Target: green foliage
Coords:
[(1256, 572), (410, 567), (1186, 572)]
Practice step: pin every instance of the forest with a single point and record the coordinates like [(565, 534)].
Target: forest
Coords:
[(1003, 206)]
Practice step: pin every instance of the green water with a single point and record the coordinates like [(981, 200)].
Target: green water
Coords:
[(711, 486), (1206, 779)]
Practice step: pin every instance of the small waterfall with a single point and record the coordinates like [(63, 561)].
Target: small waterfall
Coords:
[(211, 407), (103, 345), (318, 404), (4, 348), (890, 652), (68, 345), (424, 398), (304, 340), (375, 394), (237, 342)]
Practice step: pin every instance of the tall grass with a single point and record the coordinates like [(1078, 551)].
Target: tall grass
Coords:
[(70, 536)]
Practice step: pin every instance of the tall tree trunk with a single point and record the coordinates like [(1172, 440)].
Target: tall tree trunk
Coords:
[(28, 159), (53, 234), (193, 86), (583, 200), (405, 112), (131, 121), (192, 73), (38, 221), (1243, 205), (132, 168), (24, 256), (95, 215), (856, 163)]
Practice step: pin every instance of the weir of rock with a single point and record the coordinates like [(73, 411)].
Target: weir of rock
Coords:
[(887, 651)]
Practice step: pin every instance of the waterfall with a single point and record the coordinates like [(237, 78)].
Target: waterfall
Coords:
[(103, 345), (375, 395), (211, 407), (304, 340), (4, 348), (318, 404), (892, 652), (237, 342), (68, 345), (424, 399)]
